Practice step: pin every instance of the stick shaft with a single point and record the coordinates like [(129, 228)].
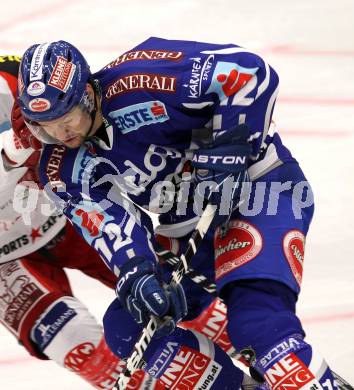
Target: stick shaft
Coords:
[(136, 358)]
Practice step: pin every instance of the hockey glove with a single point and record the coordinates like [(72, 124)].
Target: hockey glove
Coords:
[(22, 154), (222, 171), (25, 137), (142, 292)]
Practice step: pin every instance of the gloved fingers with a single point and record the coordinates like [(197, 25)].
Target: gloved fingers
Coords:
[(149, 293), (178, 302), (136, 310), (183, 301), (236, 134), (167, 326), (178, 310)]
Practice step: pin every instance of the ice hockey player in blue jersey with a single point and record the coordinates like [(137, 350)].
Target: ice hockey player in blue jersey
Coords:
[(165, 127)]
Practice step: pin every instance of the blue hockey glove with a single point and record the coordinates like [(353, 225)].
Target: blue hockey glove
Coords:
[(142, 292), (222, 171)]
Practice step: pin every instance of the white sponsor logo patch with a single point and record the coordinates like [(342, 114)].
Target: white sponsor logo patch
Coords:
[(130, 118), (36, 88), (36, 71)]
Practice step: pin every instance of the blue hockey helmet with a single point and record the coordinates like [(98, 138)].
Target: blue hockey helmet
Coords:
[(52, 80)]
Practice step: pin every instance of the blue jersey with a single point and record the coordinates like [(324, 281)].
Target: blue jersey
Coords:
[(157, 100)]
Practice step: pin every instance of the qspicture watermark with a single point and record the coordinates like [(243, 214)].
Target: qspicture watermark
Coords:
[(181, 195)]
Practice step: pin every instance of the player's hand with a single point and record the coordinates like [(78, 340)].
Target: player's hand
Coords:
[(142, 292), (25, 137), (221, 171), (22, 153)]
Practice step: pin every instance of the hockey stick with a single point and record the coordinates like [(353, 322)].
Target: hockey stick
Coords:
[(341, 383), (136, 358), (199, 279)]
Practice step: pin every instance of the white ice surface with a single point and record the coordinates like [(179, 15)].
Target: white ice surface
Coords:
[(311, 45)]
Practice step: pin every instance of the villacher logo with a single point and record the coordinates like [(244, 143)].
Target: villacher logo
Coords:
[(294, 250), (241, 245)]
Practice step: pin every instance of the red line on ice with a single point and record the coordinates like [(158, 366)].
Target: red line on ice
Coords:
[(17, 360), (314, 133), (328, 318), (292, 50), (314, 100)]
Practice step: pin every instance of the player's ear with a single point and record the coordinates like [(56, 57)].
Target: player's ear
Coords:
[(89, 89)]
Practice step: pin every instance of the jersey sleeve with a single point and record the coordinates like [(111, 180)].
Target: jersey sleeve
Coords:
[(116, 232), (246, 90), (103, 216), (237, 87)]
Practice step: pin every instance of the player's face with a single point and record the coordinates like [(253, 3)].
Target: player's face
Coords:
[(70, 129)]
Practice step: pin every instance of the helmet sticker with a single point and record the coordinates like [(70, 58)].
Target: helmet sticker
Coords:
[(36, 71), (62, 74), (39, 105), (54, 77), (36, 88)]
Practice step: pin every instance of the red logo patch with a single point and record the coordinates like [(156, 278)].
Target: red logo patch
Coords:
[(62, 74), (91, 221), (242, 244), (39, 105), (158, 110), (78, 356), (233, 82), (290, 373), (190, 369), (35, 234), (294, 250), (212, 323)]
